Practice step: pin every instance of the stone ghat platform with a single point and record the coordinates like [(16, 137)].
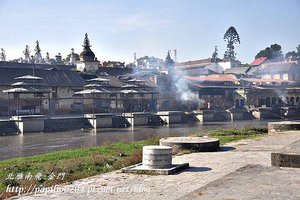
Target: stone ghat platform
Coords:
[(252, 182), (289, 156), (277, 127), (196, 144)]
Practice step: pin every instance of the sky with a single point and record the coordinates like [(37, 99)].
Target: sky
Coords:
[(118, 28)]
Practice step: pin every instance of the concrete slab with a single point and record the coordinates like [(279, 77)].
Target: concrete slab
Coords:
[(289, 156), (140, 169), (277, 127), (196, 144), (252, 182)]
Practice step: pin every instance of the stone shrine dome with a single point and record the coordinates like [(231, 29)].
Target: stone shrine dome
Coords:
[(87, 54)]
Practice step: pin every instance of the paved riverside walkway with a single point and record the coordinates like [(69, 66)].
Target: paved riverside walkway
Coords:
[(213, 175)]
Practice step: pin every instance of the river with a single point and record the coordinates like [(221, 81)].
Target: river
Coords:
[(36, 143)]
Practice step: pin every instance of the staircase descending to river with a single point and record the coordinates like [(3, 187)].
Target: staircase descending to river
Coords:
[(8, 128), (155, 120), (66, 124), (120, 122)]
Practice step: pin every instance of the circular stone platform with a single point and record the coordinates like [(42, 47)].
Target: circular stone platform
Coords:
[(275, 127), (196, 144)]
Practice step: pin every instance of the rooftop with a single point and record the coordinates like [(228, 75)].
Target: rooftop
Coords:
[(214, 78), (193, 63), (237, 70), (278, 67), (261, 80), (258, 61), (52, 78)]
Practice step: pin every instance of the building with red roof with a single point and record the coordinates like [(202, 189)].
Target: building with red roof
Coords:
[(259, 61)]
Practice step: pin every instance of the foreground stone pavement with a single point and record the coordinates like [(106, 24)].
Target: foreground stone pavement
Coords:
[(253, 182), (212, 175)]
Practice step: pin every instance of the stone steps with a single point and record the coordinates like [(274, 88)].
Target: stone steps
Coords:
[(64, 124), (120, 122), (8, 128), (289, 156), (155, 120)]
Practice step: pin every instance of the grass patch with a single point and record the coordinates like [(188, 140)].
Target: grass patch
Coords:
[(231, 135), (74, 164)]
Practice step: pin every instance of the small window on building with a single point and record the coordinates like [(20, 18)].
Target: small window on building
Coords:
[(280, 102), (292, 100), (268, 101), (285, 77), (276, 76), (242, 102), (237, 102), (274, 100), (262, 102)]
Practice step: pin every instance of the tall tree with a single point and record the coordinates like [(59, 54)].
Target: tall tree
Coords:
[(273, 52), (231, 37), (150, 62), (293, 54)]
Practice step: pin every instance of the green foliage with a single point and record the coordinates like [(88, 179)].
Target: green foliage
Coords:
[(273, 52), (113, 64), (130, 65), (151, 62), (231, 37), (293, 54)]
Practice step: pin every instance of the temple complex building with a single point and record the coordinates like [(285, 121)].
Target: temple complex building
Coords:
[(26, 53), (2, 55), (88, 62), (38, 56), (72, 57)]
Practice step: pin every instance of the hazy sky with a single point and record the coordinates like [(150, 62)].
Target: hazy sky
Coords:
[(117, 28)]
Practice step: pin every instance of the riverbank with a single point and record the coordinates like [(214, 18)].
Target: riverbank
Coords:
[(212, 167), (69, 165), (30, 144)]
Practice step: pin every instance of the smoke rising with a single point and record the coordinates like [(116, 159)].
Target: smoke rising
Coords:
[(183, 89)]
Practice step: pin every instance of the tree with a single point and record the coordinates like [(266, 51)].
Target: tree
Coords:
[(273, 52), (150, 62), (116, 64), (130, 65), (231, 37), (293, 54)]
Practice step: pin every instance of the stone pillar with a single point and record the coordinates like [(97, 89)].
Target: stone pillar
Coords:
[(157, 157)]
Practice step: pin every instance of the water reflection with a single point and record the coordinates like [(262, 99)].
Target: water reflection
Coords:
[(36, 143)]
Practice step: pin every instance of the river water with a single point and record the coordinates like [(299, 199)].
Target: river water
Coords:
[(36, 143)]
